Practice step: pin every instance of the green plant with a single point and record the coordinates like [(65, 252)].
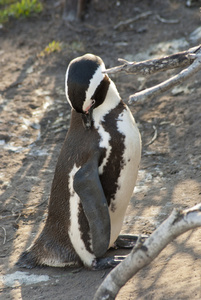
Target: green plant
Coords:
[(51, 47), (77, 46), (23, 8)]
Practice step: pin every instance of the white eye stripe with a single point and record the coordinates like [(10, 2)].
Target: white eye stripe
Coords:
[(94, 83)]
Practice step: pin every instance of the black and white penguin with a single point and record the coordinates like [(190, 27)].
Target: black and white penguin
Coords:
[(95, 173)]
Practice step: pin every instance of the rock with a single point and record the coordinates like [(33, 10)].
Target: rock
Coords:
[(195, 36), (159, 49)]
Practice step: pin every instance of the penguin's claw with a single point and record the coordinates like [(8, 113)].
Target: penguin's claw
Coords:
[(107, 262)]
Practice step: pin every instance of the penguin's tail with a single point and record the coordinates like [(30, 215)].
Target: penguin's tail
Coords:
[(27, 260), (48, 253), (33, 256)]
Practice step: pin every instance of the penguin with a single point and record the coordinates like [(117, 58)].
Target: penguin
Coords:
[(94, 177)]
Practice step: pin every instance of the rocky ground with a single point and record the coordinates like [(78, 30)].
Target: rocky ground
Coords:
[(34, 118)]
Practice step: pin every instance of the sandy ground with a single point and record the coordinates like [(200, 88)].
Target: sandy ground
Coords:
[(34, 118)]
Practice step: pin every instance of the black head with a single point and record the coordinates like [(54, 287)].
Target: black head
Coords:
[(86, 85)]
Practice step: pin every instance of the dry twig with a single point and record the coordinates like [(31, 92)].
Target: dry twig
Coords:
[(176, 224), (154, 137), (147, 67), (21, 213), (167, 21), (167, 84), (190, 57), (132, 20)]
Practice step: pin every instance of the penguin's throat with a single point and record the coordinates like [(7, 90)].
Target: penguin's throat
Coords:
[(87, 118)]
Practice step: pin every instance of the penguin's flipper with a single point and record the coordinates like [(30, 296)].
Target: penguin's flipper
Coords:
[(88, 187)]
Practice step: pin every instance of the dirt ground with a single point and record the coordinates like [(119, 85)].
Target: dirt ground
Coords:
[(34, 118)]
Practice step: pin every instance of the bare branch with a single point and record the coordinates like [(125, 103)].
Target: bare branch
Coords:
[(166, 21), (132, 20), (177, 223), (166, 85), (154, 137), (177, 60)]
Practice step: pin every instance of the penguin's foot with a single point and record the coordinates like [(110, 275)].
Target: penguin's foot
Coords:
[(128, 241), (107, 262)]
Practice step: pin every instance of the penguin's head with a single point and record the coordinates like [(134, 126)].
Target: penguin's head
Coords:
[(86, 85)]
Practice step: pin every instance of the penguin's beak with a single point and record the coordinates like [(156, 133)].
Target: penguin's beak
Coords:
[(87, 116)]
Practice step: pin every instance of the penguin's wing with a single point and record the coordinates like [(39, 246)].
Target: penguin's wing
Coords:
[(88, 187)]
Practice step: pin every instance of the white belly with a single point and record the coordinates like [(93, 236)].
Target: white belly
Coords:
[(128, 175)]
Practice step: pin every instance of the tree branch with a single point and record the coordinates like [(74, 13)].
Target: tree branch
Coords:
[(167, 84), (177, 60), (177, 223), (190, 57)]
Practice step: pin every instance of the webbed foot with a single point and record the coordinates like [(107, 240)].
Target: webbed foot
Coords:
[(107, 262), (128, 240)]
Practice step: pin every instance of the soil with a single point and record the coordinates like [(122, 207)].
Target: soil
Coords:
[(34, 118)]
